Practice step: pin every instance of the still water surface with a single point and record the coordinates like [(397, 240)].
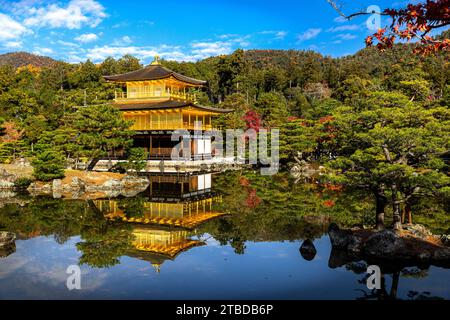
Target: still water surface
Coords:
[(238, 238)]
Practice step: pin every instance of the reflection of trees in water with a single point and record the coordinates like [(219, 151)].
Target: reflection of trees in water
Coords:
[(103, 242), (133, 207), (281, 197), (287, 212), (102, 247), (238, 229), (388, 270), (43, 217)]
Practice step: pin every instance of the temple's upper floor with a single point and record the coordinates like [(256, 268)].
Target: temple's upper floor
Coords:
[(155, 83)]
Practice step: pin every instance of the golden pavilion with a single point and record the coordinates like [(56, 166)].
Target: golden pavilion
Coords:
[(184, 201), (160, 101), (174, 206), (158, 244)]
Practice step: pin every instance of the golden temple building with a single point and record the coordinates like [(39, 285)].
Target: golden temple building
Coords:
[(157, 245), (186, 214), (164, 222), (160, 101), (171, 200)]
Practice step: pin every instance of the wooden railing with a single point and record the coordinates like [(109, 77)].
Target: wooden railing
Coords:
[(172, 125), (120, 96), (161, 152)]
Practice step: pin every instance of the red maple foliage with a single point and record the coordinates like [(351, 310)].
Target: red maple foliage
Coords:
[(329, 203), (326, 119), (243, 181), (415, 22), (333, 187), (252, 120), (11, 132), (328, 128), (252, 200)]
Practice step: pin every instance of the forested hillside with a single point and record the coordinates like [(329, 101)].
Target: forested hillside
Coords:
[(278, 85), (20, 59)]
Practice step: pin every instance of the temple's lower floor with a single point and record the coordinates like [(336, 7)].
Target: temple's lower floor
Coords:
[(161, 147)]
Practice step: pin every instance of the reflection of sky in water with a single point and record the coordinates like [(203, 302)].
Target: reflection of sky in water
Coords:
[(267, 270)]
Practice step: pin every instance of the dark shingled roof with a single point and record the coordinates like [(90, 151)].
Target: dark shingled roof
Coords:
[(166, 105), (153, 72)]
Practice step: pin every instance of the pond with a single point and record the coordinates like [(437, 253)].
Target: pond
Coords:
[(235, 235)]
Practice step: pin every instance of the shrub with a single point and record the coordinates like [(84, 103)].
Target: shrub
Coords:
[(137, 160), (22, 183), (49, 165)]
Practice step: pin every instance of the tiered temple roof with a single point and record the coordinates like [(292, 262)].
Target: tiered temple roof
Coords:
[(162, 105), (154, 72), (157, 245)]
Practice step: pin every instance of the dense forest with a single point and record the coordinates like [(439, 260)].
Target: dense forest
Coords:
[(378, 119)]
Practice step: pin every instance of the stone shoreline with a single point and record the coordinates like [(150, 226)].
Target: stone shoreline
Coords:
[(413, 245), (78, 184)]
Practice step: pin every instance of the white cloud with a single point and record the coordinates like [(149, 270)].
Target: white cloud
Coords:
[(227, 36), (207, 49), (197, 50), (13, 44), (278, 35), (98, 54), (349, 27), (78, 13), (124, 41), (120, 25), (73, 58), (281, 34), (309, 34), (10, 28), (67, 44), (127, 39), (339, 19), (87, 37), (346, 36), (43, 51)]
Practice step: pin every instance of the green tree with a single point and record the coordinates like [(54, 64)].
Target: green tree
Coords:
[(273, 109), (87, 75), (48, 165), (62, 139), (393, 145), (233, 120), (101, 129), (136, 160), (34, 126), (228, 69), (109, 67), (128, 63)]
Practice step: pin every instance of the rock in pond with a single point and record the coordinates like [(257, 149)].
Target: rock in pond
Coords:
[(7, 239), (388, 245), (307, 250)]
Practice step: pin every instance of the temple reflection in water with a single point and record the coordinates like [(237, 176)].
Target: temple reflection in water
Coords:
[(164, 221)]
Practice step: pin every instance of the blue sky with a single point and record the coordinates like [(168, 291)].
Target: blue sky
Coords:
[(76, 30)]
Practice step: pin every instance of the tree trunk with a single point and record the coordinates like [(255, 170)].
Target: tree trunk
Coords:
[(397, 223), (403, 215), (381, 293), (380, 208), (92, 164), (408, 212), (394, 287)]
